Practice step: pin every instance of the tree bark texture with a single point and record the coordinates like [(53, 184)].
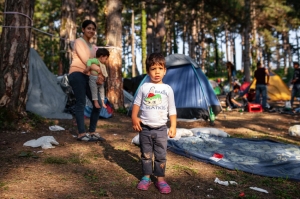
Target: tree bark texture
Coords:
[(14, 52), (114, 62), (67, 33), (160, 30), (134, 67), (150, 34), (144, 36), (247, 41)]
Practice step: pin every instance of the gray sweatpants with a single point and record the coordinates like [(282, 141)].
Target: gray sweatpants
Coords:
[(95, 88)]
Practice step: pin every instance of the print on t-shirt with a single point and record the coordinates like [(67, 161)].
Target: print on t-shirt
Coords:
[(152, 99)]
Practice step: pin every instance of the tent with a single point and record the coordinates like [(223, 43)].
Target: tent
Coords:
[(194, 94), (216, 87), (277, 89), (45, 97)]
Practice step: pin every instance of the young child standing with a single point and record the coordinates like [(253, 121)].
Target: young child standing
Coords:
[(96, 66), (154, 100)]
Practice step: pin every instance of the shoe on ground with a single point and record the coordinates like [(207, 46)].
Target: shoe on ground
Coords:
[(87, 138), (98, 137), (163, 187), (144, 184)]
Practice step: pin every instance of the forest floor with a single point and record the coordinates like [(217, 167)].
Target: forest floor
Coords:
[(111, 169)]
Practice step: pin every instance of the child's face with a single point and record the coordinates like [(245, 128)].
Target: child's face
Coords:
[(236, 90), (103, 59), (156, 73)]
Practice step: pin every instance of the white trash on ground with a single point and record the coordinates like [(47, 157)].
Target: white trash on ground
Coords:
[(211, 131), (56, 128), (226, 183), (259, 189), (294, 130), (181, 132), (45, 142)]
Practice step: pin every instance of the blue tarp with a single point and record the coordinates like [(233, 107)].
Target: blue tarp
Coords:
[(261, 157)]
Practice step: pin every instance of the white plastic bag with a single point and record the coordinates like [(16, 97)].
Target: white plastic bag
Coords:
[(136, 140), (45, 142), (210, 131), (288, 104), (294, 130), (181, 132)]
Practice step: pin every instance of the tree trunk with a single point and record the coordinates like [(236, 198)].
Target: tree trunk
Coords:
[(114, 62), (226, 44), (202, 31), (150, 34), (216, 48), (194, 35), (184, 33), (247, 41), (160, 30), (298, 51), (67, 33), (144, 37), (233, 51), (278, 57), (284, 38), (14, 52), (134, 68), (254, 54)]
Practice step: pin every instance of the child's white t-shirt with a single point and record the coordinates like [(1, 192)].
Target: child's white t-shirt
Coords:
[(155, 102)]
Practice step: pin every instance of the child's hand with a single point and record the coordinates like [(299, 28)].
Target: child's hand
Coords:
[(172, 132), (136, 124)]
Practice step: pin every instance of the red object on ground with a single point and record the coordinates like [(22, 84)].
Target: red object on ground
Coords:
[(242, 194), (218, 155), (254, 108)]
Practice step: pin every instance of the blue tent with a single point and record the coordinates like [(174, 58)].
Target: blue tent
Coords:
[(194, 94)]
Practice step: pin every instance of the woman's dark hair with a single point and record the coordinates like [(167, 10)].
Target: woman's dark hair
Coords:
[(87, 22), (155, 58), (102, 52)]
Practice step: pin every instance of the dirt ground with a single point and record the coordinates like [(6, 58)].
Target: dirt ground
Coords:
[(112, 169)]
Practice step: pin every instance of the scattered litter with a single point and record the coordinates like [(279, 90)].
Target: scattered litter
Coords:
[(40, 152), (226, 183), (210, 189), (115, 134), (56, 128), (259, 189), (45, 142), (294, 130), (23, 132), (136, 140), (74, 136), (242, 194), (233, 182)]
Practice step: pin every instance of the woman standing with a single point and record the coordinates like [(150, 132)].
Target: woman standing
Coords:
[(84, 50)]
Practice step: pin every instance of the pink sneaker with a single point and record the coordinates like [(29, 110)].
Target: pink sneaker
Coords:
[(144, 184), (163, 187)]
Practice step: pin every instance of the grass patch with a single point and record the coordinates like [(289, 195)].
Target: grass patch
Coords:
[(55, 160), (91, 175), (76, 159), (181, 168)]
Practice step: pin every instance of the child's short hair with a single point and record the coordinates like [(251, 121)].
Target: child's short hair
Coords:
[(155, 58), (102, 52), (236, 87)]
